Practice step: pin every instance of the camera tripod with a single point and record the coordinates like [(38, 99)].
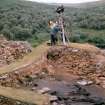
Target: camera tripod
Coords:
[(60, 11)]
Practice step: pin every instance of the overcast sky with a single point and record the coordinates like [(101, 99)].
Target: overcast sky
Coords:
[(64, 1)]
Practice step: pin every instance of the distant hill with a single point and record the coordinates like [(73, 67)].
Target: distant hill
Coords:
[(25, 20), (83, 5), (22, 20), (91, 4)]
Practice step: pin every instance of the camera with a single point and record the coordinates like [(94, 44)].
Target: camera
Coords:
[(60, 9)]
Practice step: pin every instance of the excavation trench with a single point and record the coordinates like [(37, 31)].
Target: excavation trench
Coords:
[(57, 74)]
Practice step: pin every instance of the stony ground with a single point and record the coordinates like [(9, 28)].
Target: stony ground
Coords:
[(26, 66), (11, 51), (81, 62), (60, 91), (57, 74)]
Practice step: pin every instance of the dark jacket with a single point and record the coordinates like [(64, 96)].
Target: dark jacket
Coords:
[(55, 30)]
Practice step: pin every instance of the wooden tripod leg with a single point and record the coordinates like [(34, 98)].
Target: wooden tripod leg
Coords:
[(63, 35), (63, 31)]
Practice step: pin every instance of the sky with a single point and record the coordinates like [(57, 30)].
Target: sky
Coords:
[(64, 1)]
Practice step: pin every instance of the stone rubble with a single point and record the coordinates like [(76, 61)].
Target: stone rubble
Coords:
[(64, 60), (44, 90), (86, 64), (12, 50), (85, 82), (53, 98)]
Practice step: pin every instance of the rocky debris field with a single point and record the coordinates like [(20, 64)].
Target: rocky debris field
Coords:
[(12, 50), (83, 63), (69, 75), (60, 91)]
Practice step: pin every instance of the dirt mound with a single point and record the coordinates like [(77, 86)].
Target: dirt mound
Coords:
[(12, 50), (74, 60)]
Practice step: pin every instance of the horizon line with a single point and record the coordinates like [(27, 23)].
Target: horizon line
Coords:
[(63, 3)]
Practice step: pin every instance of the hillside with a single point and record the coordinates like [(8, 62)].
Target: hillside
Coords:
[(24, 20)]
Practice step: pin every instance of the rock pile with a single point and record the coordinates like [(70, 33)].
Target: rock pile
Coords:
[(12, 50), (68, 60)]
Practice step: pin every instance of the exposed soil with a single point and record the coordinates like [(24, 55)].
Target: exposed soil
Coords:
[(67, 92), (9, 101), (83, 63), (59, 70)]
